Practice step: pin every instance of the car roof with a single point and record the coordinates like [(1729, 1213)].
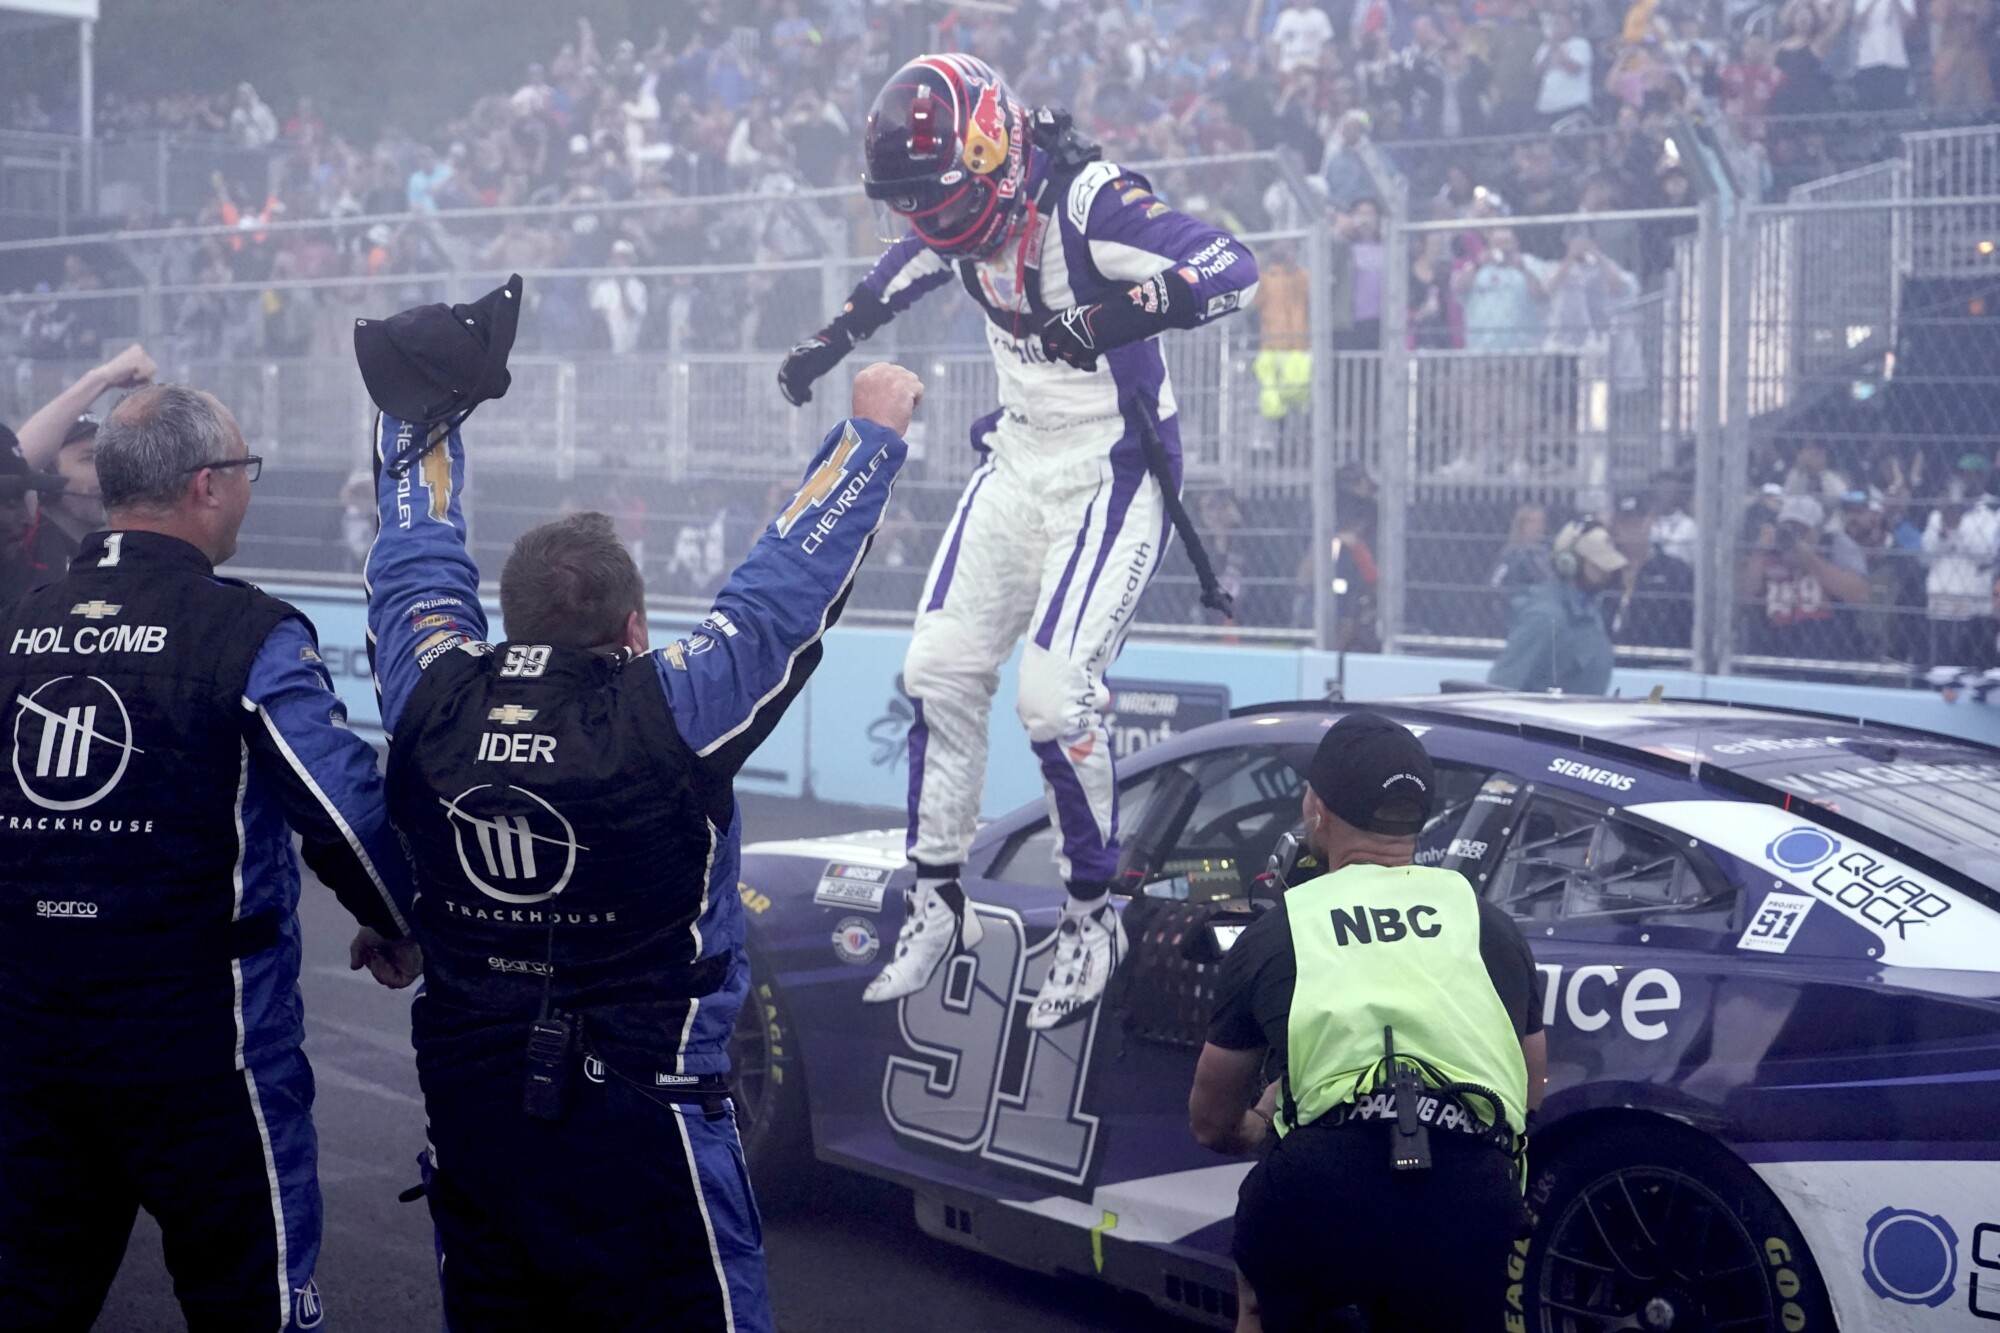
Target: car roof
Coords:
[(1773, 756), (1737, 738)]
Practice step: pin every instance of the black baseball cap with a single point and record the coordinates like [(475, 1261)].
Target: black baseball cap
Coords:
[(435, 363), (83, 428), (1374, 774), (17, 478)]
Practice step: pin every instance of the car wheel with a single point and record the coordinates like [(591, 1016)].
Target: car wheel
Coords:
[(1660, 1229), (767, 1085)]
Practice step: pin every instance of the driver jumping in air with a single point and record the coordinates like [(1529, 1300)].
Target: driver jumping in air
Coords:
[(1078, 268)]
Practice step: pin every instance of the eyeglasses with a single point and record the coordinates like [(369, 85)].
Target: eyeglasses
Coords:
[(252, 465)]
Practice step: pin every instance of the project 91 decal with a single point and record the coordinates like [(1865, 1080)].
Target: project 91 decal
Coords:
[(978, 1080)]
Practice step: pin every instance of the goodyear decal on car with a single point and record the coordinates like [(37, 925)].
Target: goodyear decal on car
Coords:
[(1918, 921)]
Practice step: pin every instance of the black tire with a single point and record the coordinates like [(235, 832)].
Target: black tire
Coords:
[(768, 1086), (1656, 1227)]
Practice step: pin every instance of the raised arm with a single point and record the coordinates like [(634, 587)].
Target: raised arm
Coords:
[(41, 435), (730, 681), (1184, 272), (898, 281), (423, 588)]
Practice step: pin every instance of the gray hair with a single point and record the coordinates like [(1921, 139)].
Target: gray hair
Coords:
[(153, 441)]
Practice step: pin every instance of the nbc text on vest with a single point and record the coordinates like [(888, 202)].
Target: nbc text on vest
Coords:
[(90, 639), (830, 516), (1383, 925)]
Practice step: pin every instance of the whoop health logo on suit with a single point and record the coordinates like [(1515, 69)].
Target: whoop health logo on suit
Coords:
[(513, 845), (72, 742)]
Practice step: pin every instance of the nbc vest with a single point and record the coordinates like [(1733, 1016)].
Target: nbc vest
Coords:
[(1394, 946)]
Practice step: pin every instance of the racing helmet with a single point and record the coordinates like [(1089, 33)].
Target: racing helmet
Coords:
[(946, 151)]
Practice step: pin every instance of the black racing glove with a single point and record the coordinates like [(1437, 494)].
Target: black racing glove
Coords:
[(864, 313), (1078, 336)]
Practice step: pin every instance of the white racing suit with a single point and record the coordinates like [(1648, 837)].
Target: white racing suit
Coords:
[(1061, 527)]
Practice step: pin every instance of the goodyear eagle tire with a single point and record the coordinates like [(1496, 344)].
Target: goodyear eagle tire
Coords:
[(767, 1085), (1659, 1228)]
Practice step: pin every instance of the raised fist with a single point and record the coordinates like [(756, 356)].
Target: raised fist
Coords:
[(887, 395), (129, 369)]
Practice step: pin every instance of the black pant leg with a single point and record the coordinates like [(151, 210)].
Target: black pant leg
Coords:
[(66, 1205), (594, 1221), (229, 1165), (1324, 1223)]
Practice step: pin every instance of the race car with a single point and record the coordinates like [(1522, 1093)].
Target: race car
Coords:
[(1770, 949)]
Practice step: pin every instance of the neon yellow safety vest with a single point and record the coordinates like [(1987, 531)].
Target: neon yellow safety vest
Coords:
[(1394, 946)]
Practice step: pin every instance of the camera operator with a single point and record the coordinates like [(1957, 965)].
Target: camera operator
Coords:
[(1557, 638), (1400, 1008), (566, 796)]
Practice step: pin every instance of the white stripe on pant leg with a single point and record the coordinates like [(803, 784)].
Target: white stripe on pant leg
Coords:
[(701, 1201), (277, 1201)]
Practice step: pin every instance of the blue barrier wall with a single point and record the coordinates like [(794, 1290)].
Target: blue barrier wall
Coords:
[(845, 739)]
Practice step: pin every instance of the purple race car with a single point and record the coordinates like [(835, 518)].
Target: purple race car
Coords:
[(1770, 947)]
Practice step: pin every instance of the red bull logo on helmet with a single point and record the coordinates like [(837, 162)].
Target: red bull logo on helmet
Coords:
[(986, 140)]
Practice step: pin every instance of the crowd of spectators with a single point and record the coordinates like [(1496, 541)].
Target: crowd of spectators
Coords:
[(1490, 113), (1481, 108), (1891, 563)]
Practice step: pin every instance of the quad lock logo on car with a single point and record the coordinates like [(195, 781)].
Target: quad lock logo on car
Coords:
[(1910, 1257), (1856, 880)]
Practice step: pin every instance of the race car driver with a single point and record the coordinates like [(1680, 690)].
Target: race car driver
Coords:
[(1077, 267), (567, 798), (171, 729)]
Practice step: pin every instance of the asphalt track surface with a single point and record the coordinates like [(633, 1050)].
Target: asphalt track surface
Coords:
[(849, 1257)]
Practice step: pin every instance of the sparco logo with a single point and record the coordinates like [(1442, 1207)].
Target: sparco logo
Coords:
[(512, 844), (66, 911), (72, 742)]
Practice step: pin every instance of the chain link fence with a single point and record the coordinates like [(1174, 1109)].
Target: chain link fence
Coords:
[(1783, 413)]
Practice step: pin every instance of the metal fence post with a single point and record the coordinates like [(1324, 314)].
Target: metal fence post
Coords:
[(1712, 571), (269, 405), (1743, 249), (1395, 494), (566, 421), (1319, 316)]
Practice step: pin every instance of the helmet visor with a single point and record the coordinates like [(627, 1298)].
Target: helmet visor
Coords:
[(955, 218)]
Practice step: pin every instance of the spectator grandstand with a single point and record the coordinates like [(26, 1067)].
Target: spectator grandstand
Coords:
[(1692, 269)]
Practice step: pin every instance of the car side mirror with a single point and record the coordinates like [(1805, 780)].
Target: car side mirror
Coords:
[(1208, 942)]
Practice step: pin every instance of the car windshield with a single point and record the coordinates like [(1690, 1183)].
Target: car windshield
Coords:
[(1945, 804)]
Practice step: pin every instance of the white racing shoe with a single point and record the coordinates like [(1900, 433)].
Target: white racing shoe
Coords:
[(935, 922), (1089, 947)]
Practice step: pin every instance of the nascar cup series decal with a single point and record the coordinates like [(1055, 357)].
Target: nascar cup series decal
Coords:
[(1916, 920), (855, 887)]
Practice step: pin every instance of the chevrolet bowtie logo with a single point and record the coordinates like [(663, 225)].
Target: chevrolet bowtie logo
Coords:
[(821, 484), (95, 610), (511, 715)]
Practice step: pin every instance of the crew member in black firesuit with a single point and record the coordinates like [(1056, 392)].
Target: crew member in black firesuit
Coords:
[(1399, 1008), (170, 728), (566, 795)]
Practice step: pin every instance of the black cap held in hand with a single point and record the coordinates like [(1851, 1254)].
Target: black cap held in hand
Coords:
[(1374, 774), (436, 362)]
